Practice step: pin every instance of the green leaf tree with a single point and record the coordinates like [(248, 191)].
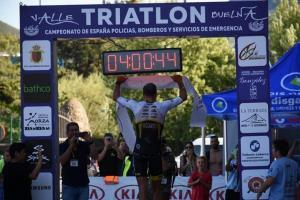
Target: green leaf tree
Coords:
[(284, 29)]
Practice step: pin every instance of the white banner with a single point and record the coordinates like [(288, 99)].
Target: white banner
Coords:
[(127, 189)]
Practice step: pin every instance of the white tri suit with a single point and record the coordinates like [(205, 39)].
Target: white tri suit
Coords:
[(149, 120)]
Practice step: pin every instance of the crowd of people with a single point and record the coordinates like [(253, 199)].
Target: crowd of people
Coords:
[(152, 161)]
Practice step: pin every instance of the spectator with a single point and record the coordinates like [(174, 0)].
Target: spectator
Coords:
[(291, 154), (233, 182), (215, 157), (200, 180), (74, 157), (282, 175), (5, 159), (188, 160), (127, 168), (108, 160), (149, 116), (93, 168), (169, 169), (17, 174)]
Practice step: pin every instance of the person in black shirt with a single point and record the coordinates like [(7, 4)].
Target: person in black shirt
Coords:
[(74, 157), (108, 158), (17, 174)]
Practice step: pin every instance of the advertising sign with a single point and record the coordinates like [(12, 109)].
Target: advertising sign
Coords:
[(36, 55), (254, 117), (34, 146), (255, 151), (252, 84), (252, 181), (37, 88), (37, 121), (42, 187), (141, 20), (252, 51)]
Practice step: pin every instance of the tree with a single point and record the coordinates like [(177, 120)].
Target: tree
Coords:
[(9, 76), (284, 29), (95, 97)]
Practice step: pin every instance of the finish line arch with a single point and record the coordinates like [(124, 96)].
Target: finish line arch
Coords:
[(246, 21)]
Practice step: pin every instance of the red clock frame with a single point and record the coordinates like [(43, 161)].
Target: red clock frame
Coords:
[(141, 61)]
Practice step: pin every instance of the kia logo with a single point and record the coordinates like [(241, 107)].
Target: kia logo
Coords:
[(181, 192), (95, 193), (217, 193), (127, 192)]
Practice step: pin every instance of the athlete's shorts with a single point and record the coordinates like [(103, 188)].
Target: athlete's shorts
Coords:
[(145, 163)]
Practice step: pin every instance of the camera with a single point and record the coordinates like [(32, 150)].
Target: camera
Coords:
[(81, 134)]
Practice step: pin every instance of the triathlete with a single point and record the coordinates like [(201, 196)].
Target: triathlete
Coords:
[(149, 117)]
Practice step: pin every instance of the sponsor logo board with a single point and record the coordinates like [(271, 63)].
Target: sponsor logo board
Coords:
[(254, 117), (36, 88), (37, 121), (36, 55), (255, 151), (252, 51), (42, 187), (36, 146), (252, 181)]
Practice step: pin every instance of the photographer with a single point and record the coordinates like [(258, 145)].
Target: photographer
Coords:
[(74, 156), (108, 160)]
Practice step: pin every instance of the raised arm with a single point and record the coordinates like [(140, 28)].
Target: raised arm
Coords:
[(182, 90), (117, 90)]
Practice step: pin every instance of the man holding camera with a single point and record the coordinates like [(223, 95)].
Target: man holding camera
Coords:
[(73, 158), (108, 160)]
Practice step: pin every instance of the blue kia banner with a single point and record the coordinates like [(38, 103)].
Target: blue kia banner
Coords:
[(135, 20)]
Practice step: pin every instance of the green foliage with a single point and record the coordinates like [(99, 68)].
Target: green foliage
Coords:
[(9, 44), (9, 76), (94, 96), (284, 29), (80, 55)]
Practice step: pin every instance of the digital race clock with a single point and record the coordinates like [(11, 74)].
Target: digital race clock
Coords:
[(141, 61)]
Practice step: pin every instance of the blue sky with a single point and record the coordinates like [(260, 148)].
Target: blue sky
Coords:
[(9, 9)]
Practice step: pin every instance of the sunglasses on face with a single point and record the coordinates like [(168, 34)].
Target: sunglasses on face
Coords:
[(188, 147)]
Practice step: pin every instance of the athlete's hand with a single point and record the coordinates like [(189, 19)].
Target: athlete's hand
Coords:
[(176, 78), (121, 79)]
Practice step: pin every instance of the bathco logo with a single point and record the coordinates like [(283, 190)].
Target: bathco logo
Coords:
[(36, 88), (291, 82), (219, 104)]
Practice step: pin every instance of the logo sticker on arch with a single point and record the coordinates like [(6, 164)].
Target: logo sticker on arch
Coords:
[(36, 88), (291, 82), (37, 121), (252, 51), (36, 55), (255, 151), (219, 104)]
